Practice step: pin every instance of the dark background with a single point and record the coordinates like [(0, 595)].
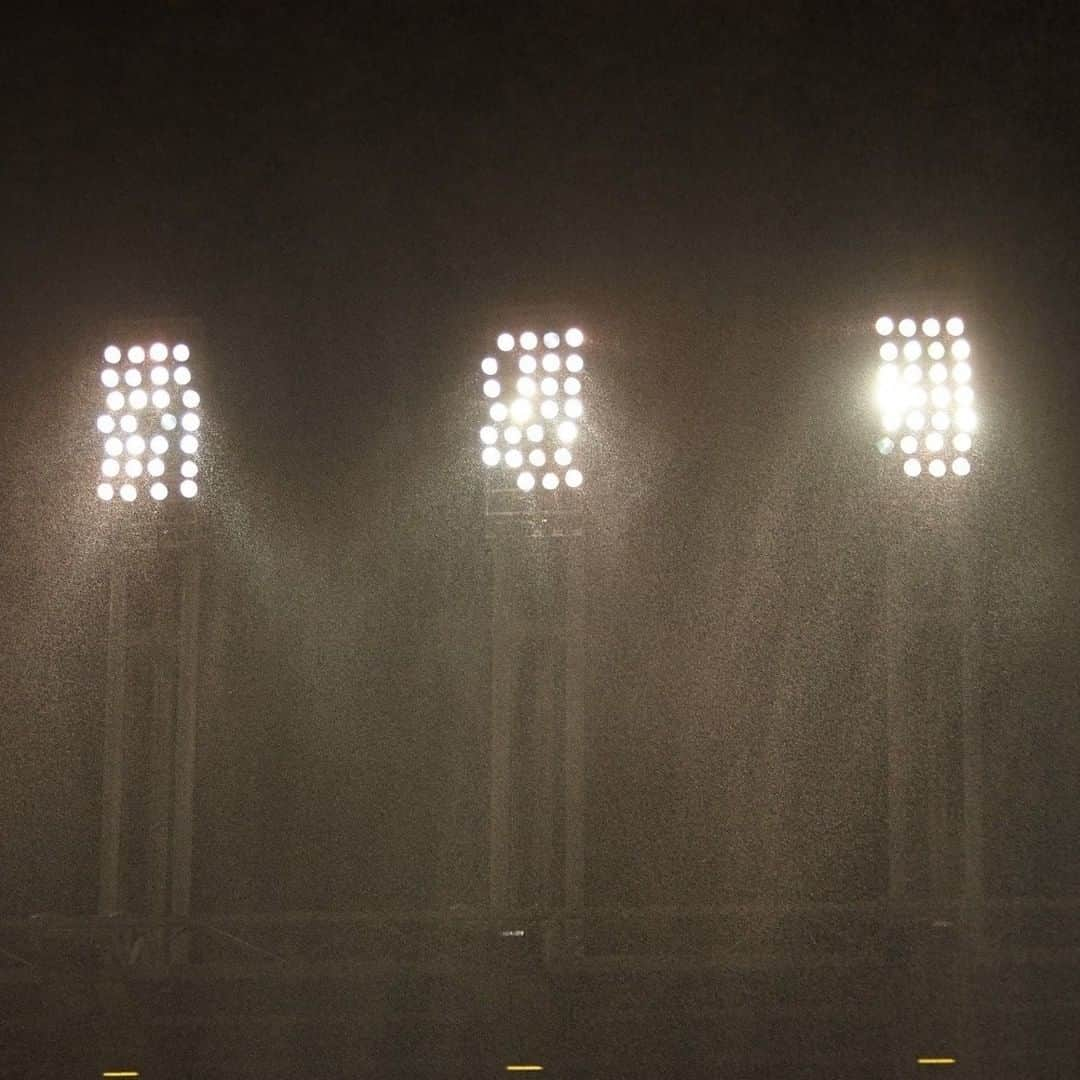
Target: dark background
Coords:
[(726, 197)]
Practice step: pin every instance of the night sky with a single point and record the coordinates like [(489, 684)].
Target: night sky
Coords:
[(725, 197)]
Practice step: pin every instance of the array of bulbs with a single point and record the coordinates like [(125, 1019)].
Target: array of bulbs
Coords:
[(532, 388), (925, 395), (150, 424)]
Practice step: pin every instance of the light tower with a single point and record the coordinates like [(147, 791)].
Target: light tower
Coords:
[(925, 391), (148, 491), (533, 444)]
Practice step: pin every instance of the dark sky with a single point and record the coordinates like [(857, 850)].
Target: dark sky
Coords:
[(727, 194)]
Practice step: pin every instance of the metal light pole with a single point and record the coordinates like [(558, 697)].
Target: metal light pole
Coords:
[(531, 439), (927, 407), (150, 426)]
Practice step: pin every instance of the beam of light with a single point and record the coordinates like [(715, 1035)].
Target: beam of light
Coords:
[(116, 1073), (524, 1068), (936, 1061)]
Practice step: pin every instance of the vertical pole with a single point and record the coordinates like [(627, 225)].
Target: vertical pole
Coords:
[(973, 890), (184, 760), (574, 756), (502, 709), (112, 784)]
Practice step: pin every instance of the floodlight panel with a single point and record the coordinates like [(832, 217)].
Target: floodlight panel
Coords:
[(931, 409), (136, 449), (534, 413)]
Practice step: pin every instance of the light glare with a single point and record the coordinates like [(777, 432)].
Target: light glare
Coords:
[(574, 337), (180, 353), (573, 478), (189, 489), (884, 326)]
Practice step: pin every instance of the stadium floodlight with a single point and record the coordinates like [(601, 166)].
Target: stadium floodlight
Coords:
[(924, 394), (533, 412), (137, 420)]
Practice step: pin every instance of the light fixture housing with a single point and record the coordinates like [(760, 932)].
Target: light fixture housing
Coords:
[(923, 384), (536, 406), (145, 418)]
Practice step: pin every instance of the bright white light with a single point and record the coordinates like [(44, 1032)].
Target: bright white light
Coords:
[(159, 376), (488, 435), (534, 433), (890, 421), (512, 435), (573, 408), (498, 412), (136, 354), (916, 421), (155, 466), (505, 342), (492, 388), (110, 467), (128, 492), (574, 337), (961, 442), (912, 350), (965, 419), (551, 340), (133, 467), (133, 377), (489, 365), (573, 478), (526, 481), (964, 395), (935, 442), (160, 398), (180, 353), (182, 375), (912, 467), (189, 469), (888, 351), (907, 327), (961, 373), (135, 445), (537, 458), (105, 492), (567, 431), (940, 420), (526, 387), (528, 340), (549, 387), (189, 489), (936, 467), (549, 409), (527, 364), (106, 424), (961, 350), (550, 481), (490, 457), (158, 351), (935, 350), (955, 326), (551, 362), (884, 326), (888, 374), (110, 377), (574, 363), (112, 356), (158, 492), (128, 423), (961, 466), (168, 421), (190, 421), (137, 399), (521, 411), (189, 444), (939, 372), (941, 397), (909, 444), (513, 459), (562, 457), (917, 396), (931, 327), (913, 373), (572, 386), (114, 447)]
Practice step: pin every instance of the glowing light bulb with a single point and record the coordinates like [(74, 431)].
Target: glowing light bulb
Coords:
[(884, 326), (489, 365)]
